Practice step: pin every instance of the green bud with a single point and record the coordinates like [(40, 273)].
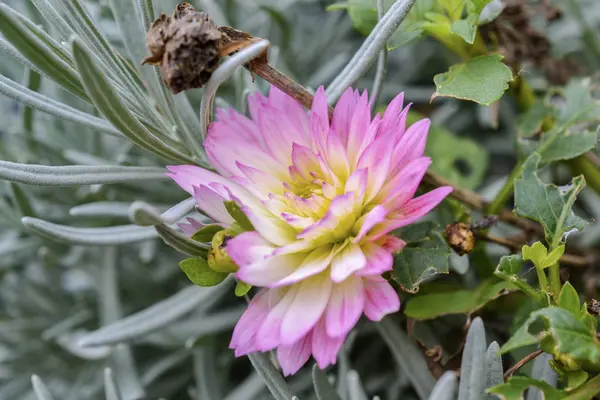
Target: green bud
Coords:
[(218, 258)]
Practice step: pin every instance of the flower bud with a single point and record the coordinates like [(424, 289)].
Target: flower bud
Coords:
[(218, 258)]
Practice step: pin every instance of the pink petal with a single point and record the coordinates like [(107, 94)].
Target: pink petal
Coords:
[(308, 306), (190, 227), (357, 183), (270, 270), (314, 263), (249, 248), (402, 187), (293, 357), (244, 333), (411, 146), (347, 262), (319, 120), (379, 260), (325, 348), (268, 336), (343, 111), (305, 161), (377, 215), (393, 244), (294, 112), (358, 126), (260, 182), (394, 118), (380, 298), (210, 201), (345, 307)]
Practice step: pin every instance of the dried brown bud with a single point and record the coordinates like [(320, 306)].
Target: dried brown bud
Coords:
[(460, 237), (593, 307), (187, 47)]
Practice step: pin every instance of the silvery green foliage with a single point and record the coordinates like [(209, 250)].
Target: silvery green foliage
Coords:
[(92, 303)]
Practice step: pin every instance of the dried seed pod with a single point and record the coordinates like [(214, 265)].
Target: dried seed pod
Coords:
[(460, 237), (191, 53), (187, 47), (593, 307)]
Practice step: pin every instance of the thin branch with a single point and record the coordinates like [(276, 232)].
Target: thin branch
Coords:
[(521, 362)]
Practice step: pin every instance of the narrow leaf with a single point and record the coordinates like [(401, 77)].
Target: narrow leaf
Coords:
[(542, 371), (472, 367), (206, 233), (114, 235), (40, 389), (157, 316), (238, 215), (182, 243), (44, 175), (445, 388), (272, 378), (494, 374), (111, 390), (569, 299), (323, 387), (110, 105)]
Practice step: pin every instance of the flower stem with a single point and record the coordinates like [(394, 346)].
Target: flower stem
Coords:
[(586, 391)]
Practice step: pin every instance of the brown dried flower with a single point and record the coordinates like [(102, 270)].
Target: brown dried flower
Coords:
[(460, 237), (186, 45)]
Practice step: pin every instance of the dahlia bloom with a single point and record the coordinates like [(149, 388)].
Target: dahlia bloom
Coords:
[(323, 198)]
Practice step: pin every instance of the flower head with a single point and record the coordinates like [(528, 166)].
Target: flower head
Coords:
[(323, 198)]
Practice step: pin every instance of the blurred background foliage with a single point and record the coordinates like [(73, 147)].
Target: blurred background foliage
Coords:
[(53, 294)]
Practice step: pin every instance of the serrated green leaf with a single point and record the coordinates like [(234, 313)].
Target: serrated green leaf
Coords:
[(535, 253), (466, 28), (242, 289), (546, 203), (238, 215), (569, 299), (483, 79), (418, 232), (434, 305), (565, 145), (473, 364), (415, 264), (513, 389), (579, 106), (563, 335), (509, 266), (198, 271), (206, 233)]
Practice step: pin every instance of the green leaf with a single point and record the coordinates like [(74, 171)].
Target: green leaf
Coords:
[(565, 144), (509, 266), (580, 106), (554, 256), (563, 335), (569, 299), (547, 204), (418, 232), (242, 289), (513, 389), (206, 233), (415, 264), (483, 79), (535, 253), (238, 215), (407, 32), (466, 28), (530, 122), (198, 271), (111, 106), (477, 6), (181, 242), (434, 305)]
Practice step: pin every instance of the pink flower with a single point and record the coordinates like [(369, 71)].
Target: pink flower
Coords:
[(323, 197)]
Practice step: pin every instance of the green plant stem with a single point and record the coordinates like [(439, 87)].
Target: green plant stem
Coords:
[(507, 190), (554, 277), (586, 391), (542, 279)]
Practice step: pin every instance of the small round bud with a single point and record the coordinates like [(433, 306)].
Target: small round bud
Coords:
[(460, 237)]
